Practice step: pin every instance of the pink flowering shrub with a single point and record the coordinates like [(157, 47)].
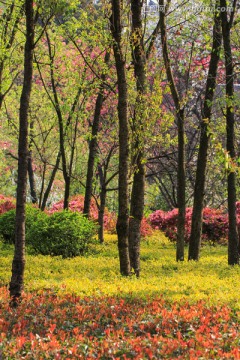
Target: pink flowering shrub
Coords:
[(76, 203), (215, 223), (6, 203)]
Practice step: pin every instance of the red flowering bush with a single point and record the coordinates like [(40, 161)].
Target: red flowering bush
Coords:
[(215, 223), (146, 228), (6, 203)]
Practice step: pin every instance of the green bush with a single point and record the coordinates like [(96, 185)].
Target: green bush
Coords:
[(7, 222), (63, 233)]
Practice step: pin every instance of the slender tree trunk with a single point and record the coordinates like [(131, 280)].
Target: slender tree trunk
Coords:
[(32, 183), (18, 265), (93, 143), (181, 196), (123, 212), (137, 196), (136, 214), (101, 209), (66, 175), (50, 183), (101, 215), (233, 240), (180, 113), (66, 192), (31, 178), (199, 188)]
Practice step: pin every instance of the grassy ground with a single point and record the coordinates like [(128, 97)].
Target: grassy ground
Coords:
[(211, 279), (83, 309)]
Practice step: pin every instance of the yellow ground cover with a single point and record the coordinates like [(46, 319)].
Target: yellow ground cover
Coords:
[(210, 279)]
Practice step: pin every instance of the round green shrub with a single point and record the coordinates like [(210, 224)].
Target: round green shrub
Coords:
[(64, 233), (7, 222)]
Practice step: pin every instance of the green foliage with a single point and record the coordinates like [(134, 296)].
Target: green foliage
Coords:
[(64, 233), (7, 222)]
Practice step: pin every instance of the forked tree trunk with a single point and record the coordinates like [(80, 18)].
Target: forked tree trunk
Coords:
[(137, 196), (180, 114), (123, 212), (233, 240), (66, 169), (18, 265), (199, 188), (93, 143)]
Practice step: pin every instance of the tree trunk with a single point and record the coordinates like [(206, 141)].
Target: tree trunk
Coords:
[(101, 214), (101, 208), (123, 212), (181, 187), (136, 215), (66, 176), (233, 240), (18, 265), (199, 188), (66, 192), (50, 183), (180, 113), (137, 196), (31, 178), (93, 143)]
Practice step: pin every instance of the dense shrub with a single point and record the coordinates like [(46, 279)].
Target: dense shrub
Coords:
[(64, 233), (7, 222), (6, 203), (215, 224), (76, 203)]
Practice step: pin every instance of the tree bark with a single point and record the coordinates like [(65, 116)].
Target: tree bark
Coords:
[(180, 113), (18, 265), (31, 178), (123, 212), (137, 196), (50, 183), (93, 143), (101, 210), (32, 183), (199, 188), (233, 240)]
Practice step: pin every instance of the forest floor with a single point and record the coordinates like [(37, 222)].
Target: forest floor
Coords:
[(82, 308)]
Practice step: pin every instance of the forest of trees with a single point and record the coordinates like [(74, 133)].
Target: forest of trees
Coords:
[(134, 105)]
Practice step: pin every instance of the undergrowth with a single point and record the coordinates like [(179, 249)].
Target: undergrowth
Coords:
[(97, 274)]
